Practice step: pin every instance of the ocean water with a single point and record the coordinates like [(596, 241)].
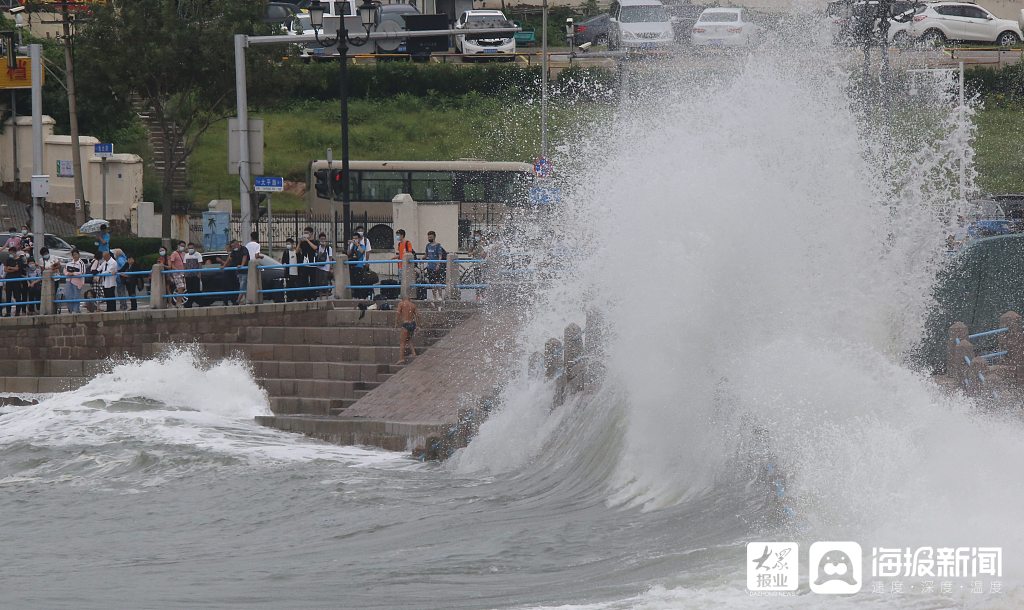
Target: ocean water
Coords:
[(760, 245)]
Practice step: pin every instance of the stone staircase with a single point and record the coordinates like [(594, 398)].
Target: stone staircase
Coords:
[(325, 370), (158, 144)]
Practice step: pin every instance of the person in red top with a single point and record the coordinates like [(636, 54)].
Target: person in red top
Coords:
[(403, 247), (176, 261)]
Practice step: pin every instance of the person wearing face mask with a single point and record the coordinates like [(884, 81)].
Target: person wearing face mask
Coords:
[(35, 285), (291, 274), (103, 240), (162, 259), (16, 291), (131, 283), (108, 269), (74, 269), (434, 251), (193, 281), (308, 249), (14, 241), (361, 232), (177, 263)]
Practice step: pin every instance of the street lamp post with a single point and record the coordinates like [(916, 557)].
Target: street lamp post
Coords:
[(368, 17)]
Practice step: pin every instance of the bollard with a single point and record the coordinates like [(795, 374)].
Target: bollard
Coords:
[(451, 280), (552, 358), (156, 292), (342, 278), (593, 347), (1013, 343), (575, 362), (957, 334), (408, 277), (254, 284), (47, 291), (535, 365), (959, 369)]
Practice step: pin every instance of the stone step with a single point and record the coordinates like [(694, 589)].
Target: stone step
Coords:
[(305, 354), (427, 319), (40, 385), (369, 374), (312, 388), (292, 405), (346, 403), (345, 335)]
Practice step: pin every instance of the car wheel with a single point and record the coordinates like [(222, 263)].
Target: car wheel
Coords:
[(1007, 39), (602, 40), (933, 38), (901, 40)]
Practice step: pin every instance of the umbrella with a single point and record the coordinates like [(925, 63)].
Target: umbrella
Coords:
[(93, 226)]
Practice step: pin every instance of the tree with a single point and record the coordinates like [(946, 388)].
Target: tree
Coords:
[(176, 57)]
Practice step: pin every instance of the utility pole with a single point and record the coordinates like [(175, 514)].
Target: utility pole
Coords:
[(544, 81), (38, 230), (76, 151)]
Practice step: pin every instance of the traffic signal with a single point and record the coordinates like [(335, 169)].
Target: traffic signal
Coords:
[(322, 179), (337, 183)]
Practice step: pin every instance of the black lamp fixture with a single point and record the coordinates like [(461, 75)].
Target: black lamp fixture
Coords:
[(368, 15)]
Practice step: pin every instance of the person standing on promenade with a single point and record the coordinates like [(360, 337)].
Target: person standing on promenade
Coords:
[(308, 249), (324, 255), (289, 256), (74, 269), (193, 283), (103, 240), (108, 269), (131, 283), (434, 251), (177, 262), (405, 317), (402, 247), (14, 269), (238, 257)]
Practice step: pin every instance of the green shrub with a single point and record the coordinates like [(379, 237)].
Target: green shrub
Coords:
[(1000, 87)]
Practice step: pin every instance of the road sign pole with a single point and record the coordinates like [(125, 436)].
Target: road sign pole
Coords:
[(103, 171), (38, 230)]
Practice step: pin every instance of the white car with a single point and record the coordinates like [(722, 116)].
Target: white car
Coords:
[(724, 27), (639, 24), (843, 16), (938, 22), (492, 45)]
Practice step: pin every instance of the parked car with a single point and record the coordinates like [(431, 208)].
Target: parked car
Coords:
[(59, 249), (639, 24), (844, 16), (724, 27), (392, 17), (937, 22), (217, 281), (593, 30), (683, 17), (486, 45), (280, 13)]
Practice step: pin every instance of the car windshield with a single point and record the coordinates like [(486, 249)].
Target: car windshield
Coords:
[(719, 17), (643, 14), (55, 243), (484, 18)]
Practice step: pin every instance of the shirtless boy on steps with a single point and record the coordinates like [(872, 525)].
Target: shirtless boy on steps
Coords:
[(405, 316)]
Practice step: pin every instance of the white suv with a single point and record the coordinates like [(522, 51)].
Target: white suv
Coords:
[(489, 45), (941, 21)]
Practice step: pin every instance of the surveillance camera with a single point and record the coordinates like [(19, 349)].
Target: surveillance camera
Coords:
[(585, 46), (17, 9)]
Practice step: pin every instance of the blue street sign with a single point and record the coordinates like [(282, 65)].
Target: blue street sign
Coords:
[(545, 195), (268, 184), (103, 150)]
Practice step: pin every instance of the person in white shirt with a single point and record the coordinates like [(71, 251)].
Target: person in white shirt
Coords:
[(366, 242), (108, 268), (193, 281), (253, 247), (289, 256), (325, 255)]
